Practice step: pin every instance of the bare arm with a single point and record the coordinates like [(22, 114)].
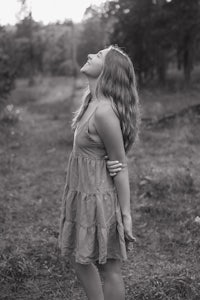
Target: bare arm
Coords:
[(108, 127), (114, 166)]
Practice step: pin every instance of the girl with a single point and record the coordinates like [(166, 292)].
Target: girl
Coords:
[(95, 215)]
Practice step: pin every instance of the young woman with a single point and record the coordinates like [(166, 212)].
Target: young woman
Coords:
[(96, 218)]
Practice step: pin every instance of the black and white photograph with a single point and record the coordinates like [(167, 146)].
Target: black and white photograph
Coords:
[(100, 150)]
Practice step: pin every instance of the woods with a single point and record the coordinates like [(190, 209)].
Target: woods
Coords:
[(157, 34), (41, 88)]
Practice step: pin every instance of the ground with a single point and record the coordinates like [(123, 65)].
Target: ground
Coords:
[(164, 167)]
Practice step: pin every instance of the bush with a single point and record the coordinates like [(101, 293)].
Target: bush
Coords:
[(10, 114), (7, 69)]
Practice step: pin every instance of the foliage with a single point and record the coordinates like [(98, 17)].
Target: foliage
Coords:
[(185, 17), (43, 49), (57, 56), (92, 36), (153, 32), (30, 47), (10, 115), (7, 66)]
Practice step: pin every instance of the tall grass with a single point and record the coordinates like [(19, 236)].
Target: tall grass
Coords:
[(164, 172)]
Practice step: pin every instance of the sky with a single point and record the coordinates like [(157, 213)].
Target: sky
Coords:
[(46, 10)]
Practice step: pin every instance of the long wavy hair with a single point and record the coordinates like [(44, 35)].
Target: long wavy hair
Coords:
[(117, 82)]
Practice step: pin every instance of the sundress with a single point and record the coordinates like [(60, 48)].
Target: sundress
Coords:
[(91, 227)]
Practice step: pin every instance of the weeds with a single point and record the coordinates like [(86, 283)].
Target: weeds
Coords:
[(162, 183), (15, 268), (10, 115), (164, 263), (173, 286)]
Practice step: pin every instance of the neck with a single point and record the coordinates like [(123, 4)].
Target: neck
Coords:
[(92, 86)]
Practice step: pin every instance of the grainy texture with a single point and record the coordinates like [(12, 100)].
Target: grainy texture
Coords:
[(164, 175)]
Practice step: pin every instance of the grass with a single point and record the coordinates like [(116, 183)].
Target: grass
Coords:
[(164, 172)]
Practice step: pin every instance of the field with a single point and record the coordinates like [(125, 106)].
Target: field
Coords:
[(164, 167)]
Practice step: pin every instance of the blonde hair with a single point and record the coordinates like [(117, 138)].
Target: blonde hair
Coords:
[(81, 110), (117, 82)]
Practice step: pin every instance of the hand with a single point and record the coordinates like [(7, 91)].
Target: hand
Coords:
[(127, 222), (113, 166)]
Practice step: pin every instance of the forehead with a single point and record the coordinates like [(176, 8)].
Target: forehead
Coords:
[(104, 52)]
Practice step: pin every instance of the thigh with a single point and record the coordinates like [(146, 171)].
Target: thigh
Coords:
[(111, 266)]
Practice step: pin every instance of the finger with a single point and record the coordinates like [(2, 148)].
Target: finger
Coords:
[(114, 167), (112, 174), (129, 247), (115, 170), (130, 238), (113, 163)]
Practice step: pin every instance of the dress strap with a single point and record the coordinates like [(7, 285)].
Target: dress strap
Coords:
[(79, 128)]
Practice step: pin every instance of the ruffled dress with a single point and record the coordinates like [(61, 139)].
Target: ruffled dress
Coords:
[(91, 227)]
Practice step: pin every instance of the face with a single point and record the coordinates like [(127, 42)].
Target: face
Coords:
[(94, 65)]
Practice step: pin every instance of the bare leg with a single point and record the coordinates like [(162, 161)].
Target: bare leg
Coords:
[(90, 280), (113, 281)]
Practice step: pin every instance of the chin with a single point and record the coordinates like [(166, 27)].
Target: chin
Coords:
[(83, 69), (89, 71)]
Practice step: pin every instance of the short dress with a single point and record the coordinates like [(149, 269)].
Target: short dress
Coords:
[(91, 227)]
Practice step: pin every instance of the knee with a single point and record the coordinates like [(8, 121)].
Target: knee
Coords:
[(111, 275), (110, 272)]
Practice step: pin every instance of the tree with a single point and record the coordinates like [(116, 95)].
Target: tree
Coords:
[(92, 36), (28, 22), (142, 28), (7, 65), (153, 31), (57, 57), (29, 47), (186, 31)]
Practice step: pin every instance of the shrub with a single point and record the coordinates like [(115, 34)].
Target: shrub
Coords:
[(7, 69)]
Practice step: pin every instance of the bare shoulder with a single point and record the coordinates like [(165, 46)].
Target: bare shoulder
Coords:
[(108, 127), (106, 112)]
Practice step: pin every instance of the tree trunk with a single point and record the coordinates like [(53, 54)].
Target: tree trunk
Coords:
[(32, 62), (187, 58), (161, 66)]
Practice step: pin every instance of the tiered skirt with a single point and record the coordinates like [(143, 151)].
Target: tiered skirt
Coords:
[(91, 227)]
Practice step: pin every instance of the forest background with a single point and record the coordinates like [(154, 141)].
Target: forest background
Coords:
[(40, 87)]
